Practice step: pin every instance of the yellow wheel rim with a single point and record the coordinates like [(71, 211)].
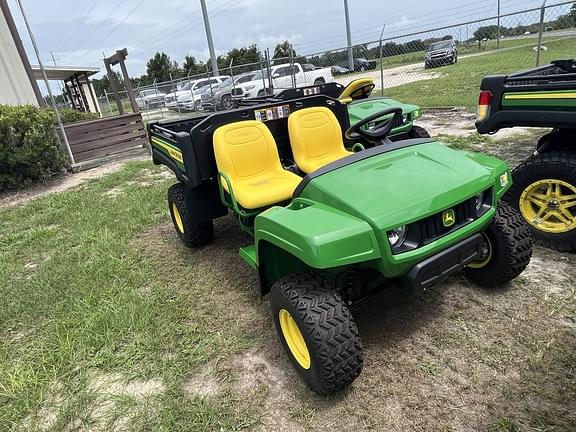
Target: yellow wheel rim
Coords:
[(549, 205), (294, 339), (177, 218), (478, 264)]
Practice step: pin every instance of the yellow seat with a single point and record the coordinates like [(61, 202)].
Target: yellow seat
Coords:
[(316, 138), (357, 89), (246, 153)]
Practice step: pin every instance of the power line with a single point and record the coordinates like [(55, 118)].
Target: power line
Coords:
[(78, 24), (87, 38), (122, 21)]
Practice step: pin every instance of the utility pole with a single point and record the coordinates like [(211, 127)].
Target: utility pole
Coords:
[(209, 38), (498, 29), (52, 100), (349, 37), (59, 83)]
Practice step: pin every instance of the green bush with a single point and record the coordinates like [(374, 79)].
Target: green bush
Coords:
[(72, 116), (29, 148)]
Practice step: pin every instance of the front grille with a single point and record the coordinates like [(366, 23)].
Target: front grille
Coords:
[(432, 227), (237, 92)]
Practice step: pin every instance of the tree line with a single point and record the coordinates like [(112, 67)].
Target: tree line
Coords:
[(161, 67)]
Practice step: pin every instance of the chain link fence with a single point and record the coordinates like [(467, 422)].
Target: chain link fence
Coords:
[(391, 62)]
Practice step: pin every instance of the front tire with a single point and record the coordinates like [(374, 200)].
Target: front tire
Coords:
[(317, 332), (418, 132), (227, 102), (319, 81), (191, 234), (507, 252), (544, 191)]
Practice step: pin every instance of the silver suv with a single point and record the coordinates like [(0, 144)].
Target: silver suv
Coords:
[(441, 53)]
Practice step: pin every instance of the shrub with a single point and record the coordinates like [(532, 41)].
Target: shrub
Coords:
[(72, 116), (29, 149)]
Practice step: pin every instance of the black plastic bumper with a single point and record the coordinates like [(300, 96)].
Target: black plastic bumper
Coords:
[(426, 273)]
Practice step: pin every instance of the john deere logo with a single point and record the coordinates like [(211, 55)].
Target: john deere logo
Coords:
[(448, 218)]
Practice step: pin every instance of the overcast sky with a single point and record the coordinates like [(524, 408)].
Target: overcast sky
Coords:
[(78, 32)]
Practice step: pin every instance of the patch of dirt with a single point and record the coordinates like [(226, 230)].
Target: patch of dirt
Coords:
[(204, 384), (260, 379), (60, 184), (457, 122)]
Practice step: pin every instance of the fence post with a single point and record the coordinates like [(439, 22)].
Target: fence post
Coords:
[(541, 30), (498, 29), (108, 102), (292, 66), (382, 62), (270, 81), (157, 98)]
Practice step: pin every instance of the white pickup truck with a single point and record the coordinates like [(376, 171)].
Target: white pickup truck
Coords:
[(283, 76)]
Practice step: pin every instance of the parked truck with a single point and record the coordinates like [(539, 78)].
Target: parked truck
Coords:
[(283, 76), (544, 186)]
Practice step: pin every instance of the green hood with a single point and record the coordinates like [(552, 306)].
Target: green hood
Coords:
[(363, 108), (399, 187)]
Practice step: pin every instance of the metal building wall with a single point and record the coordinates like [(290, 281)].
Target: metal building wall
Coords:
[(15, 86)]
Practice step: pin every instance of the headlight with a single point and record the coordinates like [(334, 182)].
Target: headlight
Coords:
[(397, 236), (478, 201), (250, 87)]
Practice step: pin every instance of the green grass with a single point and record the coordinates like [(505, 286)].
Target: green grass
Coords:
[(460, 83), (463, 49), (80, 299)]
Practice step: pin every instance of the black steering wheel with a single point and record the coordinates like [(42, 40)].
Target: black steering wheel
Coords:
[(378, 132)]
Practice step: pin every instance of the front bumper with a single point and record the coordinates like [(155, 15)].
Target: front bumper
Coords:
[(435, 268)]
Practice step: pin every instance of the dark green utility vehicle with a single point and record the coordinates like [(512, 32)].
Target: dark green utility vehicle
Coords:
[(332, 227), (544, 188)]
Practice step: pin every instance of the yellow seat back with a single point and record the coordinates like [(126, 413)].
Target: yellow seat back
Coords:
[(245, 150), (315, 137), (247, 155), (357, 89)]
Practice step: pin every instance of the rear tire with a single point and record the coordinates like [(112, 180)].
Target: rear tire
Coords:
[(191, 234), (509, 249), (556, 168), (319, 81), (418, 132), (324, 347)]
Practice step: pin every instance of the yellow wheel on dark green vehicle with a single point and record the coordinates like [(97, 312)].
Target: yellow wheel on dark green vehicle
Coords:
[(544, 192), (191, 232), (177, 218), (485, 255), (317, 331), (549, 205), (506, 250), (294, 339)]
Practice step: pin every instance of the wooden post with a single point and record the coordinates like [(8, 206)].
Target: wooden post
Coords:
[(114, 85), (127, 83), (92, 95), (82, 94)]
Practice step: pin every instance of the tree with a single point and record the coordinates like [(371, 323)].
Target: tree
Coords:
[(486, 32), (101, 84), (162, 68), (240, 56), (282, 53), (190, 67)]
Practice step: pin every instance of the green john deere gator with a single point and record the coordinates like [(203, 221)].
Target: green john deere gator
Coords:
[(544, 189), (332, 227)]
